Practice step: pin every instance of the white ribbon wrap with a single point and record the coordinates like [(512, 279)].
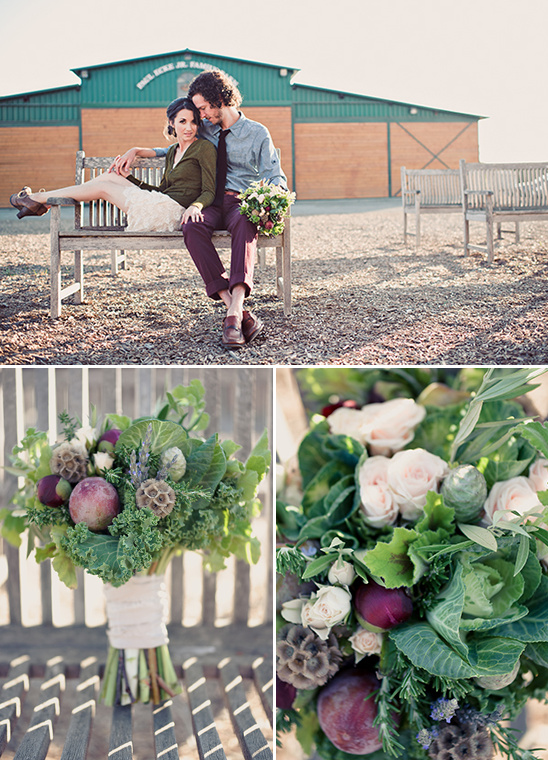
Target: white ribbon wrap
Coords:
[(137, 613)]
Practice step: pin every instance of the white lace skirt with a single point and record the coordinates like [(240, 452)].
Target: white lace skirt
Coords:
[(151, 211)]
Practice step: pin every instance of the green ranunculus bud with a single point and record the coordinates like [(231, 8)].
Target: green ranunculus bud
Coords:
[(465, 490), (178, 467)]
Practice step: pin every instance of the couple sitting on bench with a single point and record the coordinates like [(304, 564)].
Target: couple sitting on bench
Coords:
[(198, 191)]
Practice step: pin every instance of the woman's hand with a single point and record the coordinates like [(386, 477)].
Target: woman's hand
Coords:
[(122, 164), (192, 214)]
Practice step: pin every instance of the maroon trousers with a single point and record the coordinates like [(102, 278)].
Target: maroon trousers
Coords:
[(244, 246)]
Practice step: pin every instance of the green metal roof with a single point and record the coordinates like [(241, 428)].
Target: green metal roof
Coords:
[(154, 81), (60, 105), (317, 104)]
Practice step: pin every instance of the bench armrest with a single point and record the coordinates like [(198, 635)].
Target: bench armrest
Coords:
[(62, 202)]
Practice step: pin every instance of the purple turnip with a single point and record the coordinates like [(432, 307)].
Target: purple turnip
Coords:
[(285, 694), (94, 502), (53, 490), (379, 609), (108, 440), (347, 710)]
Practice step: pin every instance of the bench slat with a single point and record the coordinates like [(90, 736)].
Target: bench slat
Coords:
[(165, 742), (11, 697), (35, 743), (83, 714), (121, 744), (254, 745), (263, 675), (207, 737)]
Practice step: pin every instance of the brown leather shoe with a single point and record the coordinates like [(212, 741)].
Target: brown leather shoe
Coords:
[(26, 206), (251, 326), (233, 336)]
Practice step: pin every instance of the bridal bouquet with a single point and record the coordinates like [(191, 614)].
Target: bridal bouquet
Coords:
[(267, 206), (120, 500), (412, 561)]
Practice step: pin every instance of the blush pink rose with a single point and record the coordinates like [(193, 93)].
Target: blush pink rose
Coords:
[(391, 426), (513, 495), (365, 643), (538, 475), (347, 421), (411, 474), (378, 505)]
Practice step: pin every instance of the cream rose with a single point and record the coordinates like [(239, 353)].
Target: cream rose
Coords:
[(347, 421), (325, 608), (411, 474), (365, 642), (341, 572), (392, 425), (85, 435), (378, 505), (513, 495), (102, 460), (291, 611), (538, 475)]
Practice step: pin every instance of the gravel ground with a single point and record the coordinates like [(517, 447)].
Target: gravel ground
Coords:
[(359, 297)]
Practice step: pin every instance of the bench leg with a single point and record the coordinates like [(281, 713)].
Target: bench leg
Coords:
[(79, 275), (489, 227), (417, 222), (405, 228), (466, 235), (118, 260), (279, 273), (517, 232), (499, 231), (55, 263), (261, 257)]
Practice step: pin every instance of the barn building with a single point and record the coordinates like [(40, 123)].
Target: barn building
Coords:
[(334, 144)]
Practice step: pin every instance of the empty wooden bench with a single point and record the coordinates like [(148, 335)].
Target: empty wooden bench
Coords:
[(220, 630), (498, 193), (101, 226), (428, 191)]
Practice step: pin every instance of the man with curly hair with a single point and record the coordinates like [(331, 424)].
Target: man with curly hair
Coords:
[(250, 157)]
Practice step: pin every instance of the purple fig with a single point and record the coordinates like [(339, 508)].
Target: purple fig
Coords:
[(379, 609), (347, 710), (95, 502), (53, 490), (108, 440), (285, 694)]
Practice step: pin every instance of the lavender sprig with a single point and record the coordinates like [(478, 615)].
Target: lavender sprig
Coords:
[(138, 469)]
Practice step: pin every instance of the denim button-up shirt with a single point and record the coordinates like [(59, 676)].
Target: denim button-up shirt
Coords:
[(251, 155)]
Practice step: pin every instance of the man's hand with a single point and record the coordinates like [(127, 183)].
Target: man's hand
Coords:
[(192, 214), (122, 164)]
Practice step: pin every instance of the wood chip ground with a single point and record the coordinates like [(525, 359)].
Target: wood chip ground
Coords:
[(359, 297)]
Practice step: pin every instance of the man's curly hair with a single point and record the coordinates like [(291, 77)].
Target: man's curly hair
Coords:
[(215, 87)]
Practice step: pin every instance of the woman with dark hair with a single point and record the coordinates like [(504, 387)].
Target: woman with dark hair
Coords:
[(187, 186)]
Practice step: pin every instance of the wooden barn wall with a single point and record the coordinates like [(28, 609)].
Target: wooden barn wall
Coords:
[(431, 145), (341, 160), (38, 157)]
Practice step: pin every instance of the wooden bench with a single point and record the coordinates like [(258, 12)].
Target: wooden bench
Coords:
[(495, 193), (220, 627), (428, 191), (101, 226)]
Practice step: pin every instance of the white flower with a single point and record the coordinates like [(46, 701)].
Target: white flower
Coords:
[(513, 495), (378, 504), (86, 435), (341, 572), (538, 475), (391, 426), (325, 608), (102, 460), (411, 474), (291, 611), (365, 643)]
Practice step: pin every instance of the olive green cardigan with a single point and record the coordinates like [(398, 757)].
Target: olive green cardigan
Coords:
[(192, 180)]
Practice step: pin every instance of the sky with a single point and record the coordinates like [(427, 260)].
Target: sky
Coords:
[(482, 57)]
